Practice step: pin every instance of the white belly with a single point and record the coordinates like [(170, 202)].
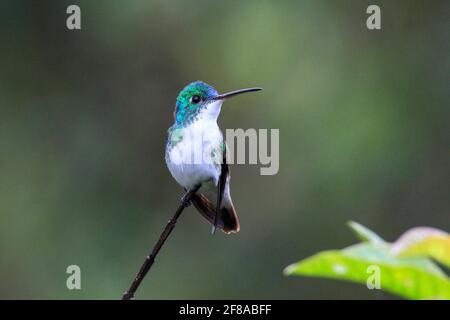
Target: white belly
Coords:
[(194, 159)]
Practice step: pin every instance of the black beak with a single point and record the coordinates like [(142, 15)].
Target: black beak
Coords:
[(234, 93)]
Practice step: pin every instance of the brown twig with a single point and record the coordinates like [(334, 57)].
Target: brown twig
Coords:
[(150, 259)]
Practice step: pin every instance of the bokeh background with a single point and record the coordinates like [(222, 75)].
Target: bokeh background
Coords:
[(364, 135)]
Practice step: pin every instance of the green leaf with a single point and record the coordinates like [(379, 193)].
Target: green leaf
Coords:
[(366, 234), (424, 241), (414, 278), (402, 268)]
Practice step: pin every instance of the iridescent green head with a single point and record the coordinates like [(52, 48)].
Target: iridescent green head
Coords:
[(192, 100), (197, 97)]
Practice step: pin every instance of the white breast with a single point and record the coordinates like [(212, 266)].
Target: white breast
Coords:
[(190, 161)]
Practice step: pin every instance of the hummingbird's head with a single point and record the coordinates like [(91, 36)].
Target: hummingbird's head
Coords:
[(201, 98)]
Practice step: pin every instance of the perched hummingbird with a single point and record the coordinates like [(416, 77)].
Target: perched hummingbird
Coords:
[(196, 153)]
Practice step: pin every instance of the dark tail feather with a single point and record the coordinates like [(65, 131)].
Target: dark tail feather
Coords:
[(227, 219)]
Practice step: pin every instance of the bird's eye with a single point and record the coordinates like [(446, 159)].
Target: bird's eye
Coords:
[(196, 99)]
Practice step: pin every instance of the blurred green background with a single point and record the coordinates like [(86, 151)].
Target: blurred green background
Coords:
[(363, 118)]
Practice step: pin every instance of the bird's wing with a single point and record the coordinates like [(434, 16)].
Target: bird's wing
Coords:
[(225, 217)]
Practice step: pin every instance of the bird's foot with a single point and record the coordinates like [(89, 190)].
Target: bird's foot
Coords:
[(186, 200)]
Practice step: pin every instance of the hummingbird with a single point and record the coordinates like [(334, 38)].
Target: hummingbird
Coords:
[(196, 153)]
